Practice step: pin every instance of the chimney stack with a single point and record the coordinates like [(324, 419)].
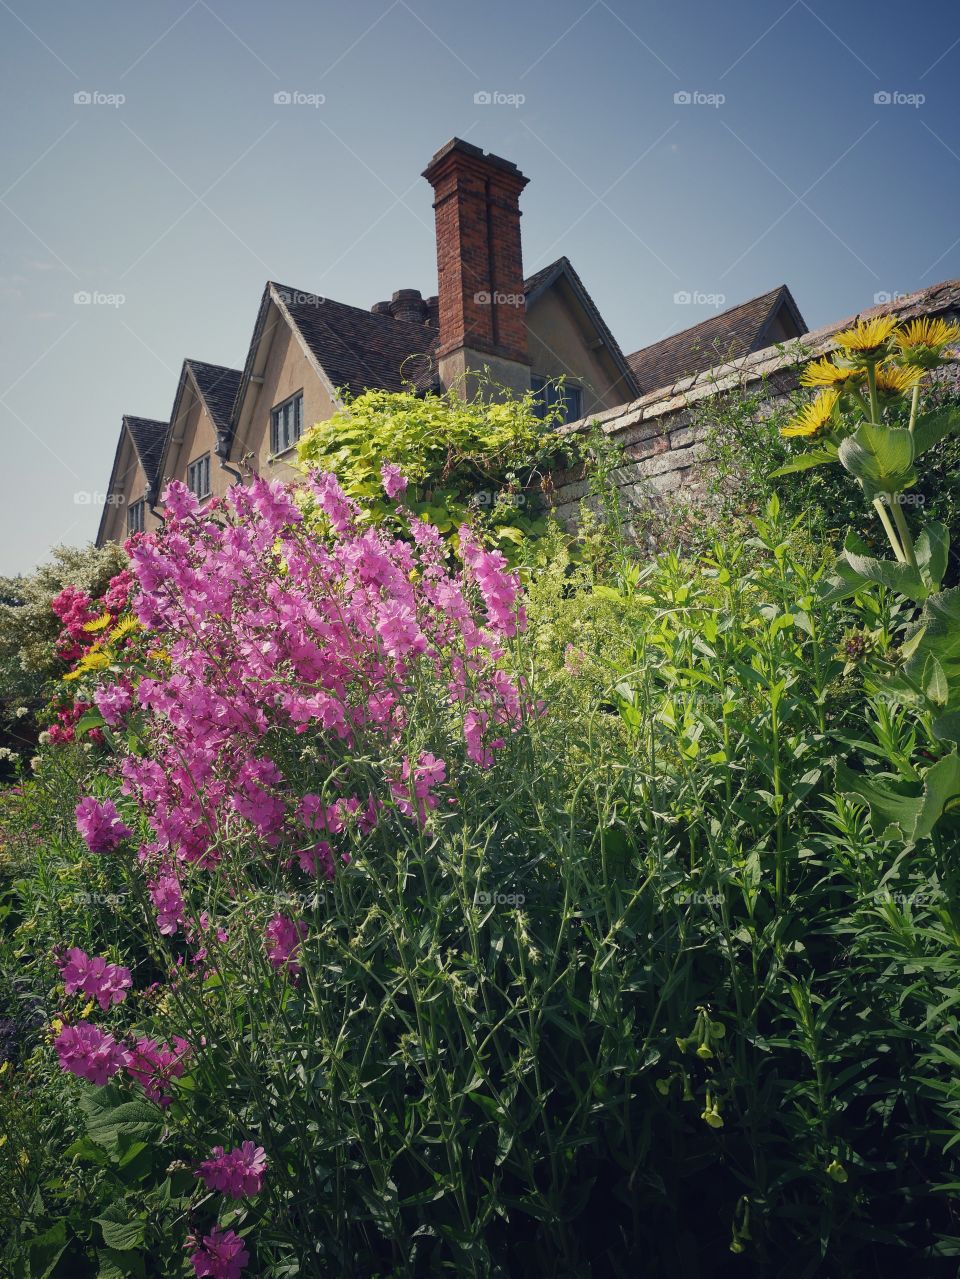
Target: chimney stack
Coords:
[(482, 319)]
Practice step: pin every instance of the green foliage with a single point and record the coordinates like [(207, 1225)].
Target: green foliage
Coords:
[(477, 459)]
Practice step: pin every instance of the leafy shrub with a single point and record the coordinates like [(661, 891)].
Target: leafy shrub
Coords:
[(471, 458)]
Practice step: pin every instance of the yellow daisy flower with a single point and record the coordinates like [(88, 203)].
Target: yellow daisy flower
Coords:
[(98, 624), (126, 627), (867, 337), (824, 372), (935, 334), (897, 379), (813, 417)]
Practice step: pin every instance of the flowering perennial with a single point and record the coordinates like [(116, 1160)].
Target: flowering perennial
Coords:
[(237, 1172), (100, 825), (86, 1051), (106, 983)]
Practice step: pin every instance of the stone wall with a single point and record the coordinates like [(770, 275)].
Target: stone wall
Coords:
[(663, 433)]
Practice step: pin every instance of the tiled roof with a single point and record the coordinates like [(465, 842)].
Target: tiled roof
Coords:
[(218, 389), (358, 349), (148, 437), (727, 336)]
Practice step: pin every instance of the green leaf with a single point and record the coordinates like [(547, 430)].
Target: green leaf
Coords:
[(932, 548), (896, 809), (898, 577), (806, 462), (946, 728), (935, 684), (880, 457), (109, 1118), (930, 428), (121, 1230), (120, 1265), (45, 1250)]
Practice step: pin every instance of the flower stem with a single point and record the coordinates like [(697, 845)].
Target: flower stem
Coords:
[(906, 540), (914, 405), (881, 510)]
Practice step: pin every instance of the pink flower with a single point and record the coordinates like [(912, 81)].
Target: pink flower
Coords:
[(221, 1255), (106, 983), (416, 786), (394, 480), (283, 941), (89, 1053), (154, 1065), (236, 1173), (113, 702), (100, 825), (168, 902)]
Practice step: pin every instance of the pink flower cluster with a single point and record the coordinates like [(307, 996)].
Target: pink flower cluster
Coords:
[(219, 1255), (88, 1052), (394, 480), (237, 1173), (106, 983), (114, 702), (413, 793), (332, 646), (283, 941), (100, 825), (92, 1054), (154, 1065)]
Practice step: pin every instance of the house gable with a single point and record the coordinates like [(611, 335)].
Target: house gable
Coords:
[(133, 477), (568, 336), (198, 422)]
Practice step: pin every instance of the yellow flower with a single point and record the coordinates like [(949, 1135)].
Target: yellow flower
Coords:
[(897, 379), (813, 416), (126, 627), (825, 373), (98, 624), (935, 334), (867, 337)]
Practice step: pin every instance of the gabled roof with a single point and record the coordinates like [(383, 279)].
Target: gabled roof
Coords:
[(148, 437), (727, 336), (349, 347), (217, 387), (545, 278)]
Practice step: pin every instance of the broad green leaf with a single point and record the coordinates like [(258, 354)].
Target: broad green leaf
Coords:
[(120, 1265), (880, 457), (121, 1229), (935, 685), (931, 428), (946, 728), (109, 1118), (932, 549), (898, 577)]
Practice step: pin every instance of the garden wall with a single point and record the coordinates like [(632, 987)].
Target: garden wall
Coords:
[(663, 433)]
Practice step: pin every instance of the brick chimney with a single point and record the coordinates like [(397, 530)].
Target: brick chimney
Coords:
[(482, 319)]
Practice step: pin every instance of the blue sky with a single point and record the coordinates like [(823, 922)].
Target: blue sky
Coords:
[(184, 197)]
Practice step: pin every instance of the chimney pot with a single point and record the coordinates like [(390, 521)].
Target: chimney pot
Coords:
[(407, 304), (382, 308)]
